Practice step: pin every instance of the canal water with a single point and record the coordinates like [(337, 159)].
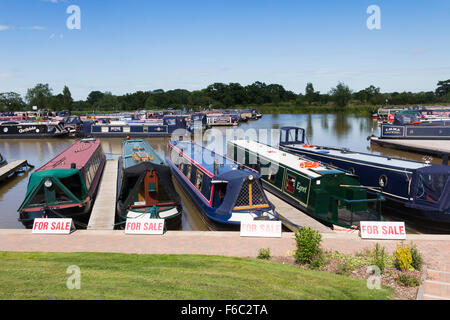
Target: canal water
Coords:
[(334, 130)]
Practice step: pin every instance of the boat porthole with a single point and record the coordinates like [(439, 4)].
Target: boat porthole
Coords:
[(351, 170), (383, 181)]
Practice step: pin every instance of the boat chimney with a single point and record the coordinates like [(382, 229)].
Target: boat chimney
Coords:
[(445, 159), (73, 165)]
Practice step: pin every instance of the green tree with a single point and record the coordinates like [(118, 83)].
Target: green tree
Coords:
[(310, 94), (11, 101), (443, 88), (341, 95), (94, 97), (67, 102), (39, 96)]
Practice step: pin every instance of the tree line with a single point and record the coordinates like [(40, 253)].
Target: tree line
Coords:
[(219, 95)]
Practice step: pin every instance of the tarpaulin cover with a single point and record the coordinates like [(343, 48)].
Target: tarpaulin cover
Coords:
[(401, 119), (430, 188), (139, 171), (235, 179)]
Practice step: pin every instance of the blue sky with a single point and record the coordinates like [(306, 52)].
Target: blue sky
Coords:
[(126, 46)]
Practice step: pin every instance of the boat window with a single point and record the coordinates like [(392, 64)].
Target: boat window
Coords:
[(219, 194), (73, 183), (199, 180), (273, 171), (383, 181), (290, 184), (188, 171), (39, 198), (60, 195)]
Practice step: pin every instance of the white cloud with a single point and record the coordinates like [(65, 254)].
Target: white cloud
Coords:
[(3, 27), (5, 75)]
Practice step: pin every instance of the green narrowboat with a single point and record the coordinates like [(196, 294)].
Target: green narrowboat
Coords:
[(331, 196)]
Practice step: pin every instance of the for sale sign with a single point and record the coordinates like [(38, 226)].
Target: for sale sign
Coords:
[(266, 229), (144, 226), (53, 226), (383, 230)]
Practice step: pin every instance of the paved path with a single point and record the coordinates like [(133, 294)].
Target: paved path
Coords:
[(434, 248)]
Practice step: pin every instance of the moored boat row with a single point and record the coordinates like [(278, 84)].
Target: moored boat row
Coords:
[(334, 186)]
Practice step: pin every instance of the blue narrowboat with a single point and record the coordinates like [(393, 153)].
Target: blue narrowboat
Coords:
[(145, 186), (409, 126), (198, 121), (225, 191), (120, 129), (415, 191)]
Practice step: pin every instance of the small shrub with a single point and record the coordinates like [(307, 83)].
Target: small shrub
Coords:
[(403, 258), (379, 257), (417, 261), (264, 254), (308, 247), (410, 278)]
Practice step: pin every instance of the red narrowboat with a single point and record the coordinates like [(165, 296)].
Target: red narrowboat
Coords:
[(66, 186)]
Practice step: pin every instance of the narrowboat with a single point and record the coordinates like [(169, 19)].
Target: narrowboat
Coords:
[(145, 186), (409, 126), (331, 196), (120, 129), (221, 119), (31, 130), (415, 191), (225, 192), (66, 186), (198, 121), (2, 161)]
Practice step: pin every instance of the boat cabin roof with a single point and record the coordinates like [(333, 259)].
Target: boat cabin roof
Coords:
[(79, 153), (365, 157), (206, 159), (284, 158), (136, 151)]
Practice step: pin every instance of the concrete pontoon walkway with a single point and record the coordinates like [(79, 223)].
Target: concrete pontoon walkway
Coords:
[(429, 147), (104, 211)]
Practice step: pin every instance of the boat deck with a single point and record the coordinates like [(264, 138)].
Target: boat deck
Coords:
[(428, 147), (12, 168), (293, 218), (104, 210)]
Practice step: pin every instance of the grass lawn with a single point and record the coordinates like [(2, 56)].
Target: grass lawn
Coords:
[(169, 277)]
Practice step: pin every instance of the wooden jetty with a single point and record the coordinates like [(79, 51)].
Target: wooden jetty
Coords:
[(12, 168), (292, 218), (104, 211), (429, 147)]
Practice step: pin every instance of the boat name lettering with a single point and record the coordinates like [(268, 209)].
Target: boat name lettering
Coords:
[(300, 188), (27, 129)]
